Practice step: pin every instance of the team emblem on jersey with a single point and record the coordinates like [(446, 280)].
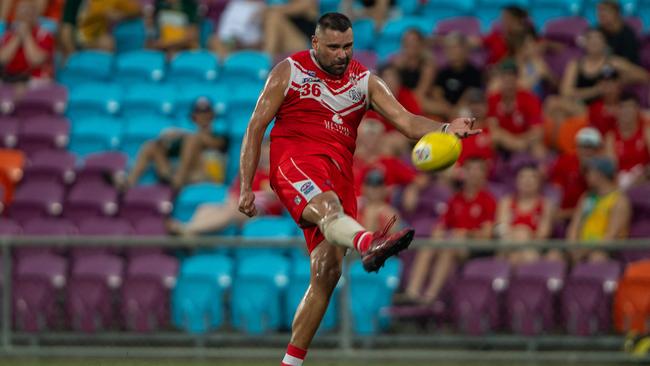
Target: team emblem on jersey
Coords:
[(297, 200), (355, 94), (337, 119)]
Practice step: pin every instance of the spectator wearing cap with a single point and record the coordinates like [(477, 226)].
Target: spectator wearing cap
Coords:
[(26, 50), (621, 38), (629, 142), (375, 211), (185, 145), (603, 213), (515, 115), (470, 215)]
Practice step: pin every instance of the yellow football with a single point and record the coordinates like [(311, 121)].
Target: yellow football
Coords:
[(436, 151)]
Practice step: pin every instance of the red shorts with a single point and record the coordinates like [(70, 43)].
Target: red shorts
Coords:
[(297, 180)]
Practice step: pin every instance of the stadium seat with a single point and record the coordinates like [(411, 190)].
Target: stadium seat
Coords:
[(390, 37), (558, 61), (469, 26), (9, 131), (531, 296), (246, 66), (89, 302), (146, 201), (265, 229), (565, 29), (436, 10), (477, 295), (103, 167), (51, 166), (3, 26), (196, 66), (260, 282), (148, 100), (100, 226), (130, 35), (193, 195), (94, 100), (43, 133), (198, 298), (7, 99), (489, 11), (367, 59), (587, 297), (327, 6), (643, 11), (241, 104), (44, 226), (139, 130), (48, 99), (146, 291), (144, 66), (371, 295), (632, 300), (95, 134), (86, 66), (541, 11), (364, 34), (90, 199), (37, 282), (37, 199), (9, 227), (298, 283)]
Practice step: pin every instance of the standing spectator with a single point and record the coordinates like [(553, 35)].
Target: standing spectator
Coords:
[(621, 38), (377, 10), (175, 24), (87, 23), (179, 144), (415, 63), (502, 41), (470, 215), (289, 27), (603, 214), (629, 143), (515, 115), (26, 50), (454, 79), (525, 215), (240, 27)]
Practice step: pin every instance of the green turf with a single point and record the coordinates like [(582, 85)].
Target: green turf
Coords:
[(113, 362)]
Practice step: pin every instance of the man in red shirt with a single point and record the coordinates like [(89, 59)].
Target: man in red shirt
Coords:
[(515, 115), (26, 50), (500, 41), (474, 104)]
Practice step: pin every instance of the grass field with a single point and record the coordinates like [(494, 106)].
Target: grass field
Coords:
[(113, 362)]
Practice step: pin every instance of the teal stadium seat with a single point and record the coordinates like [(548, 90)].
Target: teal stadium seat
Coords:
[(542, 11), (364, 34), (246, 67), (259, 286), (370, 293), (196, 66), (86, 66), (206, 29), (489, 11), (265, 229), (148, 100), (138, 130), (130, 35), (328, 6), (95, 134), (643, 12), (94, 100), (390, 37), (298, 282), (194, 195), (144, 66), (437, 10), (3, 27), (241, 104), (409, 7), (197, 303)]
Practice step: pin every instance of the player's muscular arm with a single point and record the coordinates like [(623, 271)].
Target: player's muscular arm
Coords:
[(409, 124), (267, 106)]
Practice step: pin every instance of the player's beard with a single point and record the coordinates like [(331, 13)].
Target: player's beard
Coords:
[(337, 67)]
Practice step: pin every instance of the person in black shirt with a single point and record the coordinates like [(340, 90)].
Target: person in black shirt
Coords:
[(621, 38)]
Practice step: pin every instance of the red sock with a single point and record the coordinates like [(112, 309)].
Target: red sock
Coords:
[(362, 241), (294, 356)]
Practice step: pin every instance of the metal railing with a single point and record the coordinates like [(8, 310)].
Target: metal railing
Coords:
[(436, 345)]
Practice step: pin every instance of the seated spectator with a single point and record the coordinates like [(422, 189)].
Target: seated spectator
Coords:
[(470, 215), (87, 23), (415, 63), (621, 38), (501, 42), (377, 10), (567, 172), (602, 112), (454, 79), (603, 214), (525, 215), (392, 77), (629, 143), (240, 27), (180, 144), (50, 9), (289, 27), (26, 49), (473, 104), (514, 115), (175, 24), (210, 218), (374, 210)]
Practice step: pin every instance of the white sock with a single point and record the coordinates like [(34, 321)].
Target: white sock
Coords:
[(340, 230)]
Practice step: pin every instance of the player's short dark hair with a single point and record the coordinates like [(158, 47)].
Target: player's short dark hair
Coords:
[(334, 21), (516, 11)]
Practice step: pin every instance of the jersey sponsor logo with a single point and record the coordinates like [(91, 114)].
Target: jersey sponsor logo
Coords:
[(338, 128), (336, 118), (307, 188), (310, 80)]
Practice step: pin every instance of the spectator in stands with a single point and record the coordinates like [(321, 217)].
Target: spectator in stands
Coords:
[(180, 144), (377, 10), (525, 215), (454, 79), (50, 9), (473, 104), (240, 27), (375, 211), (289, 27), (210, 218), (629, 143), (603, 214), (26, 49), (514, 115), (602, 112), (87, 23), (501, 42), (175, 24), (470, 215), (621, 38), (415, 63)]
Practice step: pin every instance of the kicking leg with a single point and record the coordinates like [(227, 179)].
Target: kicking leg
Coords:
[(326, 263)]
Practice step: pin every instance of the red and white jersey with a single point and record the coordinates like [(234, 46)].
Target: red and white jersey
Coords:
[(321, 112)]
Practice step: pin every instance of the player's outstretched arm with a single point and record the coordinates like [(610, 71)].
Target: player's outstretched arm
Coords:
[(409, 124), (267, 106)]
